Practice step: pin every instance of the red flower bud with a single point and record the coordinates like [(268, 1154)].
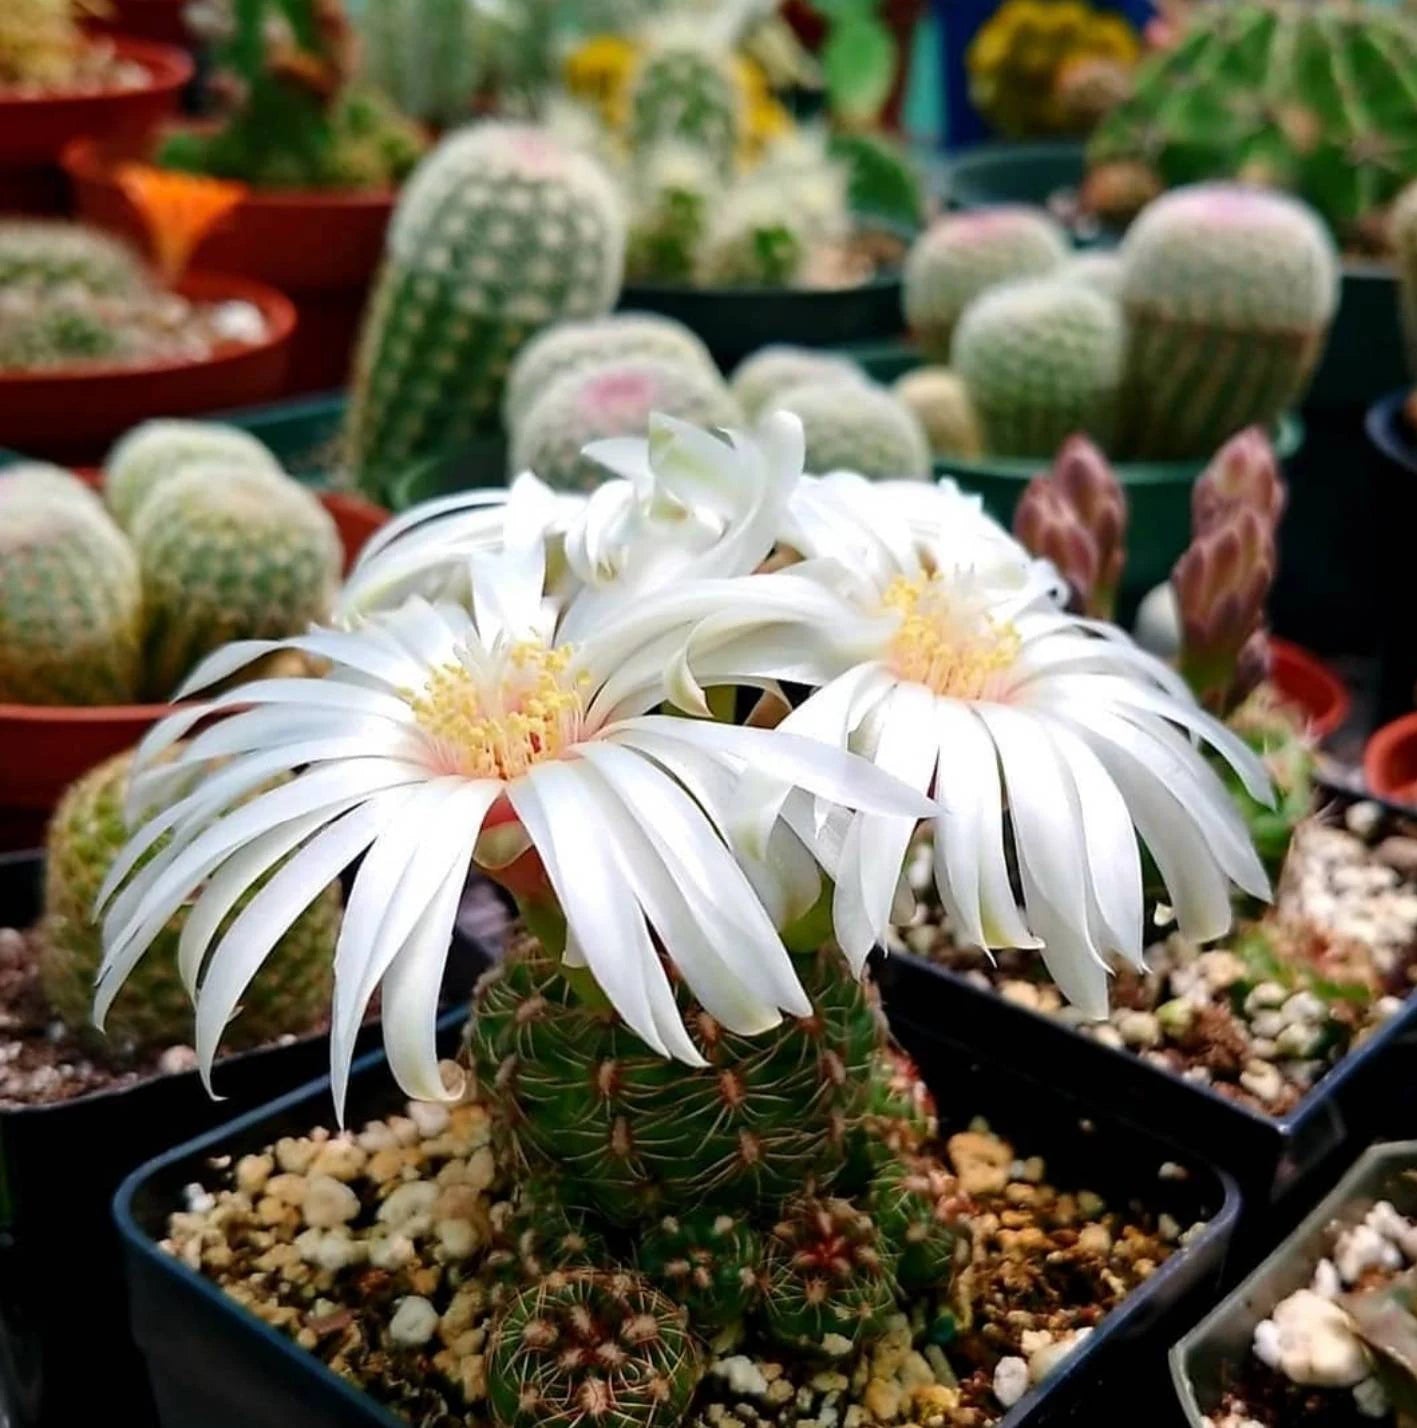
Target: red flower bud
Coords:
[(1048, 526), (1084, 476), (1244, 472)]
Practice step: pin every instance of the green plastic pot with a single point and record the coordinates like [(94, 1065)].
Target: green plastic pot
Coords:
[(1013, 173)]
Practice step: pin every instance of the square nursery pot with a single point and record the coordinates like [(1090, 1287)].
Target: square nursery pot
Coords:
[(1279, 1162), (66, 1356), (1221, 1341), (213, 1363)]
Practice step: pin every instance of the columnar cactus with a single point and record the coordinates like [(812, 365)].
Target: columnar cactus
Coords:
[(706, 1260), (1228, 293), (918, 1209), (1042, 359), (500, 232), (1267, 91), (229, 553), (856, 426), (943, 407), (764, 375), (428, 56), (578, 346), (47, 254), (153, 1010), (686, 90), (962, 255), (587, 1347)]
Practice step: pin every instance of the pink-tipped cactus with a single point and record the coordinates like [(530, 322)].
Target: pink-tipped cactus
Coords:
[(1244, 472), (1222, 583), (1076, 516)]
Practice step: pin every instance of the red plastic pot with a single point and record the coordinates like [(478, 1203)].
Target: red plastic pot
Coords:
[(73, 414), (35, 128), (1309, 684), (44, 748), (159, 20), (321, 247), (1390, 761)]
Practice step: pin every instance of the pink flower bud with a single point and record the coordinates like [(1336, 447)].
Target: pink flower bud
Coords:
[(1244, 472), (1048, 526), (1084, 476)]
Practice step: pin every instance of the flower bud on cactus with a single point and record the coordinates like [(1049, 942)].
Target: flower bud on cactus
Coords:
[(1046, 522), (1244, 472), (828, 1275), (1222, 583), (706, 1260), (918, 1208), (589, 1348), (1085, 477)]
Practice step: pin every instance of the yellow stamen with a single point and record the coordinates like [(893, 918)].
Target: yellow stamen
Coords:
[(498, 726), (947, 641)]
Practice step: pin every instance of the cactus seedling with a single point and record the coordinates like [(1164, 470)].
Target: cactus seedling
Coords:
[(916, 1204)]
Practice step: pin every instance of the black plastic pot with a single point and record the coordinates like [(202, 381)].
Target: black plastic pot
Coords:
[(66, 1356), (1276, 1160), (214, 1364), (1394, 532), (1034, 173), (1220, 1343)]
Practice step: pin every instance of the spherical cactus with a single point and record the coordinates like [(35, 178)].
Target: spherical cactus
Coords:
[(428, 56), (964, 254), (543, 1235), (577, 346), (898, 1119), (587, 1348), (38, 481), (85, 836), (772, 370), (501, 231), (1102, 272), (829, 1278), (1403, 231), (754, 238), (943, 407), (227, 553), (46, 254), (708, 1261), (687, 91), (71, 603), (1042, 359), (615, 399), (156, 450), (918, 1209), (1266, 91), (854, 426), (640, 1135), (1228, 293)]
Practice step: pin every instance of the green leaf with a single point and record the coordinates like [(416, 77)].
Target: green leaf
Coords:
[(858, 61)]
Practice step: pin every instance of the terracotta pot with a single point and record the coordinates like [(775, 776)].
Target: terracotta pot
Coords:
[(1306, 682), (44, 748), (319, 246), (35, 129), (73, 414), (159, 20), (1390, 761)]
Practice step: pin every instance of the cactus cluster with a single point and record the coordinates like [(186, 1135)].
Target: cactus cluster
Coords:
[(1315, 99), (501, 232)]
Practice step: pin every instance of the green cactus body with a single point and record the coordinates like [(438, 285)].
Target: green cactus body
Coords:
[(706, 1260), (1042, 359), (227, 553), (942, 406), (615, 399), (898, 1119), (1228, 294), (61, 329), (151, 453), (582, 1347), (754, 238), (828, 1282), (686, 91), (764, 375), (49, 255), (578, 346), (1320, 99), (637, 1135), (38, 481), (917, 1207), (856, 426), (964, 254), (1403, 232), (70, 603), (543, 1235), (672, 194), (153, 1010), (1276, 732), (500, 232), (426, 55)]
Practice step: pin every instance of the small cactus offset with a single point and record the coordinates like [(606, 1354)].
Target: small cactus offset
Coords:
[(229, 553), (764, 375), (918, 1208), (706, 1260), (1228, 293), (962, 255), (686, 90), (427, 56), (541, 1236), (856, 426), (828, 1276), (42, 254), (500, 232), (578, 346), (1042, 359), (943, 407), (898, 1118), (591, 1348), (615, 399)]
